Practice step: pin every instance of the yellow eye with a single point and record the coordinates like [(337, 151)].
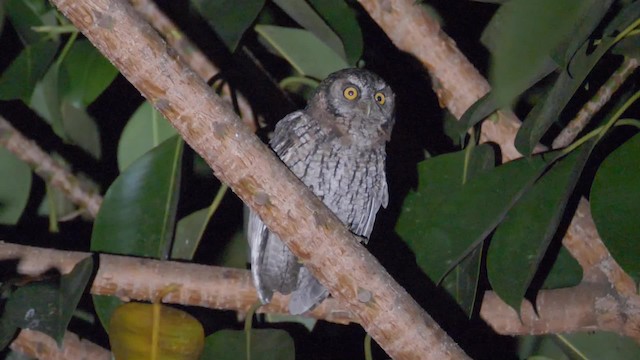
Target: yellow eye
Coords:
[(380, 98), (350, 93)]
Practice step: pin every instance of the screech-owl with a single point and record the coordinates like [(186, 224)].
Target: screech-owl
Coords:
[(336, 146)]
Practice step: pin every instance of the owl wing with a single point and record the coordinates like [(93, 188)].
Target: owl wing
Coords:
[(273, 265), (364, 225)]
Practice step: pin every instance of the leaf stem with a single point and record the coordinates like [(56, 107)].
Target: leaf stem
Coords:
[(303, 80), (248, 324), (67, 47)]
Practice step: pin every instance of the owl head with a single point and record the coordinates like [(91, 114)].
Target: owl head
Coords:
[(358, 103)]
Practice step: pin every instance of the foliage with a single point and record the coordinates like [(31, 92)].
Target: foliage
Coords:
[(471, 223)]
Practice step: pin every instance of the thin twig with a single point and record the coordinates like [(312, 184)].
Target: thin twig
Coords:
[(48, 168), (601, 97)]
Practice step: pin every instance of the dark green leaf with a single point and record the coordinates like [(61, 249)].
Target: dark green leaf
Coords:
[(48, 305), (565, 272), (629, 46), (548, 109), (442, 219), (189, 231), (14, 189), (7, 331), (230, 19), (19, 79), (306, 53), (80, 128), (138, 213), (90, 73), (309, 19), (522, 35), (234, 254), (477, 112), (45, 99), (342, 19), (266, 344), (24, 14), (521, 240), (615, 204), (146, 129), (586, 22), (462, 281), (592, 345), (105, 306)]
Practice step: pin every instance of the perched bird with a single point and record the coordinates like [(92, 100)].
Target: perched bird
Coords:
[(336, 146)]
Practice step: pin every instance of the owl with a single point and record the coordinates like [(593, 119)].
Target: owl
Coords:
[(336, 146)]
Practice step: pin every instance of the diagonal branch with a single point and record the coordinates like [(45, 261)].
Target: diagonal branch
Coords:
[(239, 159), (48, 168)]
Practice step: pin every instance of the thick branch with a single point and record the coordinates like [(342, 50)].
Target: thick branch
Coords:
[(456, 82), (48, 168), (238, 158), (133, 278), (41, 346), (586, 307), (190, 54)]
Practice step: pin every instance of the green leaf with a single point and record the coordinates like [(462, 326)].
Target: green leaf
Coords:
[(90, 73), (7, 331), (45, 99), (80, 128), (342, 19), (230, 19), (521, 37), (565, 272), (521, 240), (14, 189), (25, 14), (138, 213), (309, 19), (549, 108), (105, 305), (47, 306), (145, 130), (266, 344), (305, 52), (442, 218), (19, 79), (189, 232), (462, 282), (442, 226), (592, 345), (615, 204)]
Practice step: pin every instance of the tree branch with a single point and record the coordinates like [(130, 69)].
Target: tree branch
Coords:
[(41, 346), (586, 307), (238, 158), (198, 285), (48, 168), (577, 124), (191, 55)]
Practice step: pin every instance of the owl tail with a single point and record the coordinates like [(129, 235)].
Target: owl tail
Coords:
[(308, 294)]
